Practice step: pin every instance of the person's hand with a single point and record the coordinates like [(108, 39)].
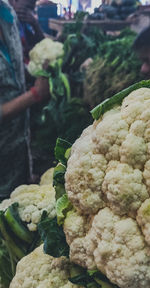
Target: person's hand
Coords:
[(42, 87)]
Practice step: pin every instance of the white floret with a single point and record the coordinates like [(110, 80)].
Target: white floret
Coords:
[(32, 200), (143, 219), (124, 188), (115, 246), (85, 174)]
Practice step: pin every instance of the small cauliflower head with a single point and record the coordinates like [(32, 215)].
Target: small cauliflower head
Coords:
[(32, 200), (45, 51), (108, 182), (42, 271)]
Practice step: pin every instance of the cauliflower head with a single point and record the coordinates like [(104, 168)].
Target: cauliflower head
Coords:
[(41, 270), (108, 182), (45, 51), (32, 200)]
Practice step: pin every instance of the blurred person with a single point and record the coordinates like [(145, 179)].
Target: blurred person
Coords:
[(14, 102), (142, 47), (29, 27)]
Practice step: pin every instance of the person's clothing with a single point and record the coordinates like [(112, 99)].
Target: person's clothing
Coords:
[(28, 39), (13, 148)]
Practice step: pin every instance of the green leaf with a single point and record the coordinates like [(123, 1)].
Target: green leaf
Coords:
[(84, 280), (5, 266), (63, 205), (60, 150), (16, 225), (53, 237), (101, 279), (117, 99), (18, 252), (60, 190), (59, 173)]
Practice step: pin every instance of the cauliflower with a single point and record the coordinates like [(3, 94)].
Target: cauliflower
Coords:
[(47, 177), (45, 51), (107, 181), (32, 200), (42, 271)]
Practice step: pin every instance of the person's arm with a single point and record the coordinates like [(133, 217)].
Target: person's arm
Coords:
[(38, 93)]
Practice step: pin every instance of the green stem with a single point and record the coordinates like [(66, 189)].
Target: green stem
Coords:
[(117, 99), (16, 250)]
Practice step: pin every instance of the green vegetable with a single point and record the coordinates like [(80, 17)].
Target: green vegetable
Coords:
[(17, 252), (63, 205), (16, 225), (60, 149), (17, 240), (53, 237), (66, 83), (58, 175), (87, 278), (117, 99), (60, 190), (115, 68), (5, 266)]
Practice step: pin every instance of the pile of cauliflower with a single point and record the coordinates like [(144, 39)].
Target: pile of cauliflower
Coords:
[(45, 51), (108, 182)]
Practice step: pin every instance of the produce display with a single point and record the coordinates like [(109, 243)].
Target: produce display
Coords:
[(86, 224), (117, 10), (116, 63), (91, 228)]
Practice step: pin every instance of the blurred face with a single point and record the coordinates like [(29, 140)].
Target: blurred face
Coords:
[(13, 3), (30, 4), (144, 55)]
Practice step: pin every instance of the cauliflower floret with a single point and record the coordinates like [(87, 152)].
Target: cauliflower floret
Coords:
[(79, 227), (133, 106), (121, 250), (47, 177), (109, 134), (42, 271), (46, 50), (133, 151), (115, 246), (124, 188), (143, 219), (33, 200), (85, 175), (146, 175)]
